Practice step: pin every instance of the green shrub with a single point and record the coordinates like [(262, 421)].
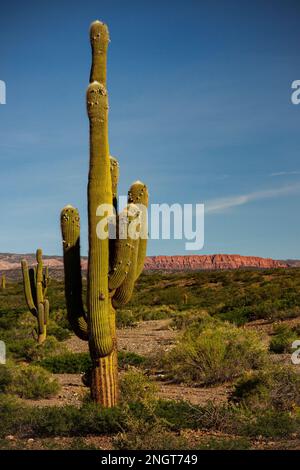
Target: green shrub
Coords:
[(135, 387), (73, 421), (271, 423), (32, 382), (125, 318), (5, 377), (144, 428), (155, 312), (127, 358), (275, 388), (13, 414), (178, 414), (185, 318), (60, 333), (217, 443), (147, 435), (214, 353), (26, 421), (282, 339), (79, 363), (67, 363), (30, 350), (59, 317), (129, 318)]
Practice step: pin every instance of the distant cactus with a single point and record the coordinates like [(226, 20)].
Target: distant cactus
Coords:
[(36, 282), (3, 282), (113, 264)]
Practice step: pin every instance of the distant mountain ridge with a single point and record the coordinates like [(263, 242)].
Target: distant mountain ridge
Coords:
[(10, 263)]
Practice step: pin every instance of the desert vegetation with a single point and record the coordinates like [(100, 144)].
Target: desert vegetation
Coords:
[(202, 380)]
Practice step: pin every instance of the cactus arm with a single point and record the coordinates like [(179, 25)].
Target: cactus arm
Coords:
[(32, 278), (99, 193), (121, 264), (41, 323), (39, 278), (27, 288), (46, 280), (124, 292), (99, 37), (46, 312), (138, 195), (114, 173), (123, 248), (70, 227)]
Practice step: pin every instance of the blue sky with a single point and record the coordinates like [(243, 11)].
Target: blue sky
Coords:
[(200, 109)]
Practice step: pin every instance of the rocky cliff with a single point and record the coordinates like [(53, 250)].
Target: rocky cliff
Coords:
[(210, 262), (11, 263)]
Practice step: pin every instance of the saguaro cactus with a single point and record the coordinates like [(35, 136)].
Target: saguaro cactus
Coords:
[(113, 264), (3, 282), (36, 282)]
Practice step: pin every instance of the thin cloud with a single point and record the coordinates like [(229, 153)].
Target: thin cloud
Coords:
[(223, 204), (285, 173)]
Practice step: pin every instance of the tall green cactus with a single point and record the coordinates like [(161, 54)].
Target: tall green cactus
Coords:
[(3, 282), (36, 281), (113, 264)]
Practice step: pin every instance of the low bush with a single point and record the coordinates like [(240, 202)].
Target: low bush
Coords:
[(282, 339), (276, 388), (211, 353), (67, 363), (129, 318), (135, 387), (125, 318), (217, 443), (147, 435), (185, 318), (60, 333), (5, 378), (32, 382), (29, 350), (79, 363), (272, 424)]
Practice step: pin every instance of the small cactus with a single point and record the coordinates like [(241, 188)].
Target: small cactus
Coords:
[(113, 264), (36, 281), (3, 282)]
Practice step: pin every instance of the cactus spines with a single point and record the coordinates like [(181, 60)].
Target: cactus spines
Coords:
[(113, 264), (99, 37), (36, 281)]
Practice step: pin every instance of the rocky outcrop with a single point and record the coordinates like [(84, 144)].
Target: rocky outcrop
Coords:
[(209, 262), (10, 263)]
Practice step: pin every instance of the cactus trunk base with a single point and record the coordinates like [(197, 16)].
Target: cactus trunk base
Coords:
[(104, 381), (42, 338)]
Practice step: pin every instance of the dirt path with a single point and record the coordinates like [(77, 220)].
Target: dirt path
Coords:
[(147, 338)]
